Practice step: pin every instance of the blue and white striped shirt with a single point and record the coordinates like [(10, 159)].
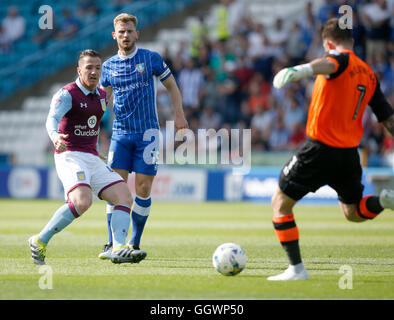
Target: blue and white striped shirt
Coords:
[(133, 80)]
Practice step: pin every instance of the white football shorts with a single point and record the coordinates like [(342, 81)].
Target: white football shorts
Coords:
[(75, 168)]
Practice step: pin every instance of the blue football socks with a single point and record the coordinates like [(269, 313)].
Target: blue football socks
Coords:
[(140, 213), (110, 209)]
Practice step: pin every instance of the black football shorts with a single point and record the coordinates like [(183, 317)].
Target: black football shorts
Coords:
[(316, 164)]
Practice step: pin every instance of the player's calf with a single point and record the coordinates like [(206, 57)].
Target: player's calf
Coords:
[(369, 207)]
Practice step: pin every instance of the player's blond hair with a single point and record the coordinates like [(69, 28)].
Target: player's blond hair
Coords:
[(125, 17)]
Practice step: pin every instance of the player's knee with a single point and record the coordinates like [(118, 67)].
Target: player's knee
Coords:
[(122, 196), (143, 189), (82, 204), (81, 198), (125, 198)]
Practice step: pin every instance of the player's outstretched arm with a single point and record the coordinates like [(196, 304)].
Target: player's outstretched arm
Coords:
[(317, 66), (176, 99)]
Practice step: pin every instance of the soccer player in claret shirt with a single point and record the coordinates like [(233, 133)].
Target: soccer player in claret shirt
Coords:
[(344, 86), (73, 125), (130, 76)]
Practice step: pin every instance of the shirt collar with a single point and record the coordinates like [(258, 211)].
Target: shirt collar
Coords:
[(84, 90), (128, 56)]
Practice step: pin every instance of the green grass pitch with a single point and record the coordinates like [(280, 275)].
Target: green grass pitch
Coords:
[(180, 239)]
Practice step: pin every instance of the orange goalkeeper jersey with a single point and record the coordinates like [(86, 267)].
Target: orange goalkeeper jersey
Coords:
[(339, 101)]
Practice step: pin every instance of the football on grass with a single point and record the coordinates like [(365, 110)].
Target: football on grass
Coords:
[(229, 259)]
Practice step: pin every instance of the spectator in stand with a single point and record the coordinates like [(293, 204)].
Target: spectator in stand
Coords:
[(182, 54), (257, 42), (87, 11), (44, 36), (374, 144), (297, 136), (296, 47), (68, 27), (14, 24), (279, 136), (167, 58), (387, 81), (277, 37), (218, 59), (328, 10), (229, 94), (198, 33), (238, 16), (119, 4), (210, 119), (203, 56), (259, 122), (210, 91), (244, 73), (388, 150), (359, 36), (376, 18), (262, 121), (293, 115), (5, 41), (220, 28), (315, 50), (308, 24), (191, 83), (256, 96), (245, 114)]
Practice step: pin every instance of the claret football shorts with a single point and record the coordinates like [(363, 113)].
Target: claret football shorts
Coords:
[(316, 164), (76, 168)]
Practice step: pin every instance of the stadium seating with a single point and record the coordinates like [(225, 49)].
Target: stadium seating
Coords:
[(27, 57), (28, 146)]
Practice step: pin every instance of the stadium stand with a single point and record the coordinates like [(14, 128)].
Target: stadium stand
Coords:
[(236, 47), (20, 70)]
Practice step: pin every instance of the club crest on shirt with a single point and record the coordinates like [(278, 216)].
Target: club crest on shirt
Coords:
[(81, 175), (103, 104), (92, 121), (140, 68)]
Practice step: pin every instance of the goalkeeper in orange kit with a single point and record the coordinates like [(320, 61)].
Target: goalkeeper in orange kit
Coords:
[(344, 86)]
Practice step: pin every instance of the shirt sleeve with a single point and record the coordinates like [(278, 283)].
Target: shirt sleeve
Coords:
[(61, 103), (104, 79), (341, 61), (379, 104), (160, 68)]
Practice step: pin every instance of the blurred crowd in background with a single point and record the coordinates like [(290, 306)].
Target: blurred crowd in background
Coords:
[(225, 70), (226, 80)]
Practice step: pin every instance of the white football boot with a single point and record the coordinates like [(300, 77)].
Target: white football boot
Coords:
[(37, 249), (123, 253), (386, 199), (297, 272), (107, 252)]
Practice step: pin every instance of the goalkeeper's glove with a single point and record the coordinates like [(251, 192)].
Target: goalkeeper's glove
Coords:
[(292, 74)]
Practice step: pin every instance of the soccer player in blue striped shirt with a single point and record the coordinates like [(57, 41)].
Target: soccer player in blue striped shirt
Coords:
[(130, 76)]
